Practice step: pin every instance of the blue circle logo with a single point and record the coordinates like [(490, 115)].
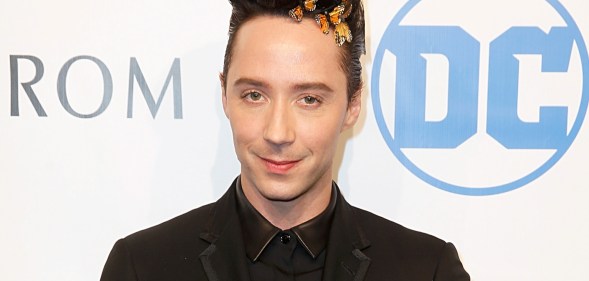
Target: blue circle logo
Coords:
[(477, 105)]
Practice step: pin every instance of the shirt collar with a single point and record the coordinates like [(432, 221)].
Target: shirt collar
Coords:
[(258, 231)]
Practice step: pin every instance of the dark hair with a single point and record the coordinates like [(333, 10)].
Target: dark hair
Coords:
[(244, 10)]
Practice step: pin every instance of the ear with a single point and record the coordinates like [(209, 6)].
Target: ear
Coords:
[(353, 111), (223, 92)]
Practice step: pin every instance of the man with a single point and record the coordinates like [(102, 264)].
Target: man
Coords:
[(289, 91)]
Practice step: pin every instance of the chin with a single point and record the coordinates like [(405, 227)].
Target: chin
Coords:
[(282, 195)]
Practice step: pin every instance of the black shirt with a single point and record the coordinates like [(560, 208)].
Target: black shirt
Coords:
[(296, 254)]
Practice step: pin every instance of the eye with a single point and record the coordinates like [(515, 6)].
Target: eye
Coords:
[(310, 100), (253, 96)]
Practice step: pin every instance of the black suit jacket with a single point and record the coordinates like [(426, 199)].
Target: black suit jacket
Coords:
[(206, 244)]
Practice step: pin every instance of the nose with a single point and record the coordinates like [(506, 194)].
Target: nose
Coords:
[(279, 129)]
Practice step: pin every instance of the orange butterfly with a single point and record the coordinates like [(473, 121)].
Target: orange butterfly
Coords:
[(321, 19), (296, 13), (310, 5), (342, 33), (334, 16)]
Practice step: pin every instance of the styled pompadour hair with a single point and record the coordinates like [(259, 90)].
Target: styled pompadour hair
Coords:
[(244, 10)]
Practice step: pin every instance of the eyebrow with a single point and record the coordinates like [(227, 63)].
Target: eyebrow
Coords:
[(250, 82), (299, 87), (312, 86)]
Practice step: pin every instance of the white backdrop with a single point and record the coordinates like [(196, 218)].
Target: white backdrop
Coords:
[(71, 186)]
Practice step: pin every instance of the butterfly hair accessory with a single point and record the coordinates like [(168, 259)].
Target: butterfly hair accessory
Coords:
[(334, 14)]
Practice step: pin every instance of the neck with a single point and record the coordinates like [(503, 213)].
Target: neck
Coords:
[(290, 213)]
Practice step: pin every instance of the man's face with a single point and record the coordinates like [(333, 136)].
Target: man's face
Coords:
[(285, 97)]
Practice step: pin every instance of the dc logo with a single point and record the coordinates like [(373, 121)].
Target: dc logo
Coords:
[(480, 98)]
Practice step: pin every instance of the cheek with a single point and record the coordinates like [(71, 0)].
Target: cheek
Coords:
[(241, 132), (245, 127), (321, 136)]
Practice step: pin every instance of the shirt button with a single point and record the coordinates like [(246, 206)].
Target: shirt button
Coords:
[(284, 238)]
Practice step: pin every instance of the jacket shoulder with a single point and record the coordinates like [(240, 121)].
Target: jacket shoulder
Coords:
[(398, 251), (381, 230), (189, 224), (167, 251)]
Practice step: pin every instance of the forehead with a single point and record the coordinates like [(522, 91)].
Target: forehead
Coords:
[(279, 49)]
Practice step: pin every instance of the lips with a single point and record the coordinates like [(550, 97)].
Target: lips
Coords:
[(279, 167)]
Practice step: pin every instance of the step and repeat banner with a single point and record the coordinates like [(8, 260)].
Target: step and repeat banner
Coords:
[(473, 129)]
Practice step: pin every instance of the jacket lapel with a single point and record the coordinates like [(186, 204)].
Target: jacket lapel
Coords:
[(345, 260), (224, 259)]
